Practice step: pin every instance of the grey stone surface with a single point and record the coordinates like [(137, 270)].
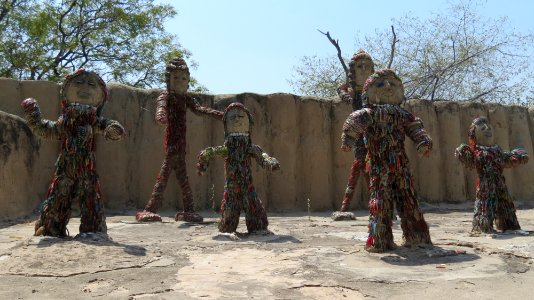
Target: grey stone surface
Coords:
[(303, 259)]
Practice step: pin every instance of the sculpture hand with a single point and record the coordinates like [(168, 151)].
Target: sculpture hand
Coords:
[(346, 148), (114, 132), (424, 151)]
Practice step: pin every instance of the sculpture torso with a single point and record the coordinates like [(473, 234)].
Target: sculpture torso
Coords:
[(237, 162), (77, 141), (176, 127), (489, 162), (384, 137)]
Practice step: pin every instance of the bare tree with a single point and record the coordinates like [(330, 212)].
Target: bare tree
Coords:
[(454, 55), (339, 56)]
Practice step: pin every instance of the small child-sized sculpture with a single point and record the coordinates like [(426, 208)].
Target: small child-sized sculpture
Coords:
[(384, 124), (493, 202), (83, 96), (239, 191), (171, 111), (361, 66)]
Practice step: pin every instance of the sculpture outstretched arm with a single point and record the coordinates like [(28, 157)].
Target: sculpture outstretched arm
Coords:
[(415, 129), (161, 109), (263, 159), (354, 126), (207, 154), (345, 93), (199, 110), (466, 156), (41, 127), (111, 129), (515, 158)]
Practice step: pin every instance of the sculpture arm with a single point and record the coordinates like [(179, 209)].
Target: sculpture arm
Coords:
[(41, 127), (161, 109), (515, 158), (263, 159), (345, 93), (199, 110), (354, 126), (207, 154), (466, 156), (111, 129), (414, 128)]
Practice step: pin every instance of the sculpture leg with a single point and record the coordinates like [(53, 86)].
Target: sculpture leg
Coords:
[(255, 213), (230, 211), (149, 214), (414, 227), (92, 206), (505, 216), (188, 214), (484, 215), (381, 216), (351, 185), (56, 209), (380, 222)]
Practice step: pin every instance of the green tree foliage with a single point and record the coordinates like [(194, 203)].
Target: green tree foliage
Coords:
[(318, 76), (453, 55), (123, 40)]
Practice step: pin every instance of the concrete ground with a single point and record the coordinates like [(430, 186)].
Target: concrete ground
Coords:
[(306, 258)]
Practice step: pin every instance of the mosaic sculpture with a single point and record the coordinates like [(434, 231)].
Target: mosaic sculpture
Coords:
[(83, 95), (361, 66), (493, 202), (171, 111), (237, 151), (384, 124)]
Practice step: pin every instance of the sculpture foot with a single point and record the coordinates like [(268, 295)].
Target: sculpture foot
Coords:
[(342, 216), (188, 217), (147, 216)]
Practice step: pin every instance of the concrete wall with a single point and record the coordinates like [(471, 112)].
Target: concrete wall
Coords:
[(302, 132)]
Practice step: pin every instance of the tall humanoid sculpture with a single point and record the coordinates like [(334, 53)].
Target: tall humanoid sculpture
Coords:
[(384, 125), (83, 95), (361, 66), (171, 111), (493, 202), (239, 191)]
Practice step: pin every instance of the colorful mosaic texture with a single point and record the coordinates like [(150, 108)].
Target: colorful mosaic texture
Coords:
[(493, 203), (239, 191), (75, 179)]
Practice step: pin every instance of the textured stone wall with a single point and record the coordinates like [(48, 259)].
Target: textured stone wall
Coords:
[(302, 132)]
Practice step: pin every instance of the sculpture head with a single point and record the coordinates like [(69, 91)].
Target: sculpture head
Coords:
[(177, 76), (361, 66), (383, 87), (237, 119), (481, 132), (84, 87)]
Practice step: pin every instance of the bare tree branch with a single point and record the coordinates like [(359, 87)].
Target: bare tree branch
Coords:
[(393, 42), (339, 56), (476, 97)]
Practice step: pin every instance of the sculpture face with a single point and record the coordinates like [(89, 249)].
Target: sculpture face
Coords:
[(483, 132), (386, 90), (179, 81), (363, 68), (84, 89), (237, 121)]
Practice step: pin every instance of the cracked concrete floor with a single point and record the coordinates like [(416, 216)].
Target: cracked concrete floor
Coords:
[(304, 259)]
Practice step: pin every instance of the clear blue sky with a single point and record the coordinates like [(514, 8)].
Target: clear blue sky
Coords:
[(253, 45)]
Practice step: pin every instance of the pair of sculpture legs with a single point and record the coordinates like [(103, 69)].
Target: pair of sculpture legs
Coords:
[(498, 209), (243, 199), (174, 162), (56, 211), (398, 192)]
